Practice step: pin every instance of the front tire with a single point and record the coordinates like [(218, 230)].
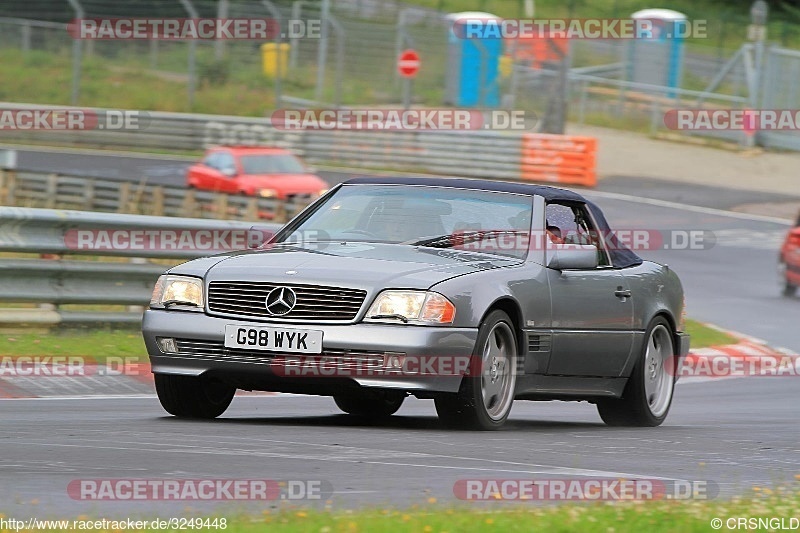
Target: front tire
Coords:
[(193, 397), (371, 404), (647, 397), (487, 391)]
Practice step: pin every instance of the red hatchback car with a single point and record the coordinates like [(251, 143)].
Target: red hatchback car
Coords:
[(789, 264), (254, 171)]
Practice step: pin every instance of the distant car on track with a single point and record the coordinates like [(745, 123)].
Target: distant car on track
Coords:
[(381, 272), (789, 261), (255, 171)]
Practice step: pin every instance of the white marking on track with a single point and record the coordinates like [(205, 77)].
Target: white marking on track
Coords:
[(531, 468), (686, 207)]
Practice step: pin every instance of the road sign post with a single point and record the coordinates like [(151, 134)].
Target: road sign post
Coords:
[(408, 65)]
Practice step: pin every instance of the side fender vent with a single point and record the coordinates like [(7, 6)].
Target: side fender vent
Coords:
[(538, 343)]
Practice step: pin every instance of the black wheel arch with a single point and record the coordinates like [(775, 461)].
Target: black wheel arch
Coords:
[(511, 307)]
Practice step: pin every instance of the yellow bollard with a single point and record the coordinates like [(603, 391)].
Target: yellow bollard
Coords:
[(505, 66), (270, 55)]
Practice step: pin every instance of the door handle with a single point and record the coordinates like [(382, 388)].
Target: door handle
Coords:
[(622, 293)]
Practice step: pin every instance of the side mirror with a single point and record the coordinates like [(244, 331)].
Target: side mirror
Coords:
[(229, 172), (572, 256)]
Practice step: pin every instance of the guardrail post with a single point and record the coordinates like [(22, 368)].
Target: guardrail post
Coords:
[(4, 186), (655, 116), (189, 204), (88, 196), (190, 9), (582, 105), (251, 211), (11, 187), (77, 54), (137, 308), (26, 38), (124, 197), (220, 206), (51, 192), (280, 212), (157, 201)]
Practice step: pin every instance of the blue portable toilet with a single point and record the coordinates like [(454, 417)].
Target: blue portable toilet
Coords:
[(475, 45), (658, 59)]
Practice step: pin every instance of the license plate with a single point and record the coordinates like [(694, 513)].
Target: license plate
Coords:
[(271, 339)]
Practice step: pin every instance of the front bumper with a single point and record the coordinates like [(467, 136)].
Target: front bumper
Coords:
[(262, 371)]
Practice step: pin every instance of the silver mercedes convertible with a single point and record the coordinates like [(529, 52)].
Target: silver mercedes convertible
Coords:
[(472, 293)]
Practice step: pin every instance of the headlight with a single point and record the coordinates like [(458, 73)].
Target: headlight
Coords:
[(412, 306), (177, 290), (268, 193)]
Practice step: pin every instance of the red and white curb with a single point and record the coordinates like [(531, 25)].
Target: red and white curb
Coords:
[(749, 357), (746, 358)]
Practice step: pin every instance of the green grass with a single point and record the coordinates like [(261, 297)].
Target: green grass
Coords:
[(97, 344), (619, 517), (129, 87), (704, 336), (128, 343)]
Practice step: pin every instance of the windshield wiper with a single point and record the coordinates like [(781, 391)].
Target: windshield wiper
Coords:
[(453, 239)]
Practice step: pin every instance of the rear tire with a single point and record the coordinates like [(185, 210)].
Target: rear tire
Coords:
[(487, 391), (371, 404), (787, 289), (647, 397), (193, 397)]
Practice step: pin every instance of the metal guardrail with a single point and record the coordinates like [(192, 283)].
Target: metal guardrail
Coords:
[(477, 153), (49, 191), (472, 153), (58, 281)]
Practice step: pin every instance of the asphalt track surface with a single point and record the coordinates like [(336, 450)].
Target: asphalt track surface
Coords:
[(735, 433)]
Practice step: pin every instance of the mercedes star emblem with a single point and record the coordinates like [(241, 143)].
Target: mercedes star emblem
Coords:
[(280, 301)]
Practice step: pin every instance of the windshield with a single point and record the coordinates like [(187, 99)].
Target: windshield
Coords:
[(437, 217), (272, 164)]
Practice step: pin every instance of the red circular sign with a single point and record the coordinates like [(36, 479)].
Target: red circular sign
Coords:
[(408, 63)]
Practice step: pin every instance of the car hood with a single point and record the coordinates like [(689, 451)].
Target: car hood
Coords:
[(354, 264)]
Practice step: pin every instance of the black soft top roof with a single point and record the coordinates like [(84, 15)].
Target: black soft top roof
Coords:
[(548, 193), (621, 255)]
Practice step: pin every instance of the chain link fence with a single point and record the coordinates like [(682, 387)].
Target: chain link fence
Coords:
[(590, 83)]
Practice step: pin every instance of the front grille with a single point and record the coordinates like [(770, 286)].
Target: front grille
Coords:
[(203, 349), (314, 302)]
